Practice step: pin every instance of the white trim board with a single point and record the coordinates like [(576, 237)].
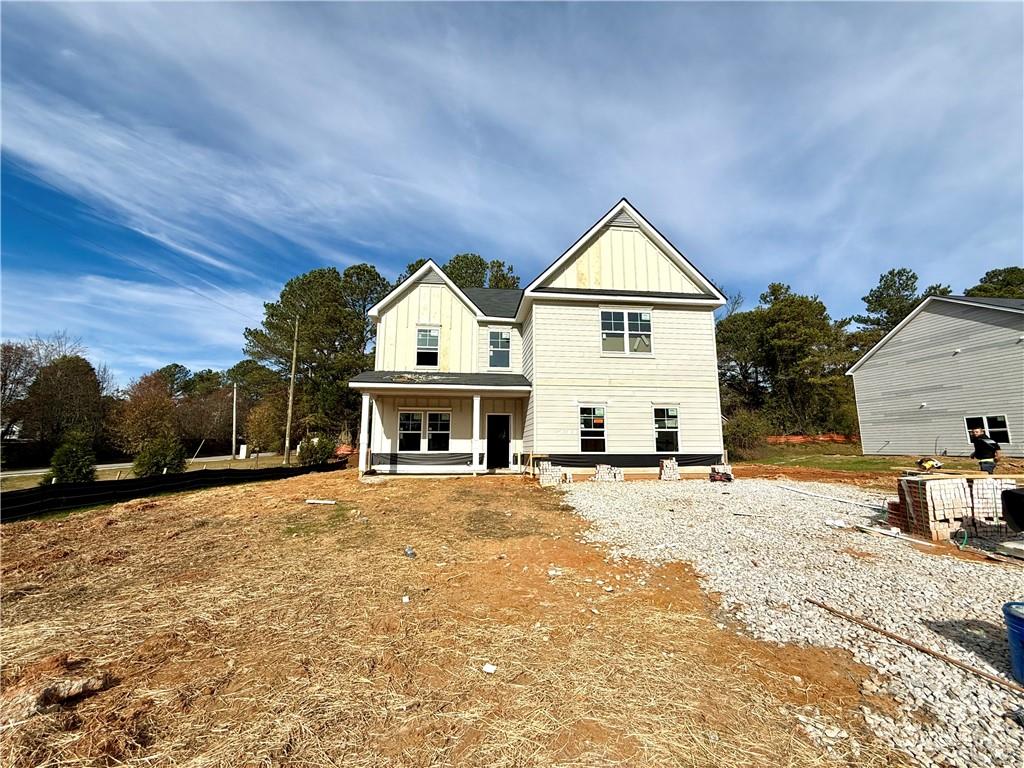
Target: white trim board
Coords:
[(462, 389)]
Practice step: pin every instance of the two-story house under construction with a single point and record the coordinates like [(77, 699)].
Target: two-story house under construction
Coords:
[(607, 357)]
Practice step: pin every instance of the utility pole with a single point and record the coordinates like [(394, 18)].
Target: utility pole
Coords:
[(291, 396), (234, 420)]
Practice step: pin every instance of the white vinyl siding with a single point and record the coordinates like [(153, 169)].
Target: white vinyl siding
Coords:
[(622, 259), (683, 371), (915, 392)]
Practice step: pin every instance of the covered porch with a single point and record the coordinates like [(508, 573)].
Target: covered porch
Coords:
[(421, 423)]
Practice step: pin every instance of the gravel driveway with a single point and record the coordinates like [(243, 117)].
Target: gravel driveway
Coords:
[(765, 566)]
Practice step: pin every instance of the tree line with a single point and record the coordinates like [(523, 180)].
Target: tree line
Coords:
[(52, 396), (782, 364)]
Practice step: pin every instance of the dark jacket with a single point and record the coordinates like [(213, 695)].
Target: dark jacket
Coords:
[(984, 447)]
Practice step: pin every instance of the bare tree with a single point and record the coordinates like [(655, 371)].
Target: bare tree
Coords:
[(58, 344), (18, 368)]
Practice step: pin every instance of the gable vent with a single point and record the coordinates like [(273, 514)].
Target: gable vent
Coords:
[(622, 219), (431, 277)]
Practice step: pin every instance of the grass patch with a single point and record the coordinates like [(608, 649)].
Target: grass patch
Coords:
[(843, 457)]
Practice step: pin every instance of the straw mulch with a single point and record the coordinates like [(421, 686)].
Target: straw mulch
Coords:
[(241, 626)]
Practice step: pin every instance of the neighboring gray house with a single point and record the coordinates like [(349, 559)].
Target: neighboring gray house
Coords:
[(954, 363), (607, 357)]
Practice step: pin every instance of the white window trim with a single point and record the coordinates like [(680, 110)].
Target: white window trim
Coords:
[(579, 427), (654, 425), (423, 412), (984, 420), (427, 326), (625, 310), (499, 329)]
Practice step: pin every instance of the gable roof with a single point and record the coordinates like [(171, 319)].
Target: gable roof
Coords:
[(998, 304), (428, 272), (623, 214), (496, 302)]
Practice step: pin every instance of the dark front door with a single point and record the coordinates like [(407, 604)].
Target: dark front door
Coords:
[(499, 433)]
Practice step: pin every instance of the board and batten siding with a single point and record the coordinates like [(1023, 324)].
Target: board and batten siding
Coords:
[(384, 437), (569, 370), (484, 350), (920, 365), (427, 304), (622, 259)]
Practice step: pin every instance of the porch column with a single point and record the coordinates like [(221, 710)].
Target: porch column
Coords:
[(364, 429), (476, 432)]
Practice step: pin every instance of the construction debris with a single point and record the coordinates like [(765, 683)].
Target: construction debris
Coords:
[(19, 705), (721, 473), (321, 501), (409, 551), (489, 668)]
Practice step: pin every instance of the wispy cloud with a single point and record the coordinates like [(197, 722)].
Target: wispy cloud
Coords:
[(813, 144)]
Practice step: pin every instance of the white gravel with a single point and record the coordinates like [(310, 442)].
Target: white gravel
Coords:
[(764, 567)]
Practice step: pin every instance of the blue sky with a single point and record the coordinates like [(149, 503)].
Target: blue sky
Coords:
[(167, 167)]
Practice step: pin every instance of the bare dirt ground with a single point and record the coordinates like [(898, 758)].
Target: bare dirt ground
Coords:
[(881, 481), (241, 626)]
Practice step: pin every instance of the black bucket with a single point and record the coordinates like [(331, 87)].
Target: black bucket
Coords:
[(1013, 509)]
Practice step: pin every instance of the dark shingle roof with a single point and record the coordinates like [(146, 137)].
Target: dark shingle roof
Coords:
[(495, 302), (992, 302), (451, 379)]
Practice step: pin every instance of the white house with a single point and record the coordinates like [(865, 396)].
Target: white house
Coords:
[(955, 363), (607, 357)]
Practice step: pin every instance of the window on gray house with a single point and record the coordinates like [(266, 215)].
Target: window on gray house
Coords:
[(995, 427)]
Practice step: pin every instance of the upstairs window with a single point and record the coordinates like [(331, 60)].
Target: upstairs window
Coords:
[(592, 429), (410, 429), (666, 430), (428, 341), (439, 431), (499, 349), (995, 427), (626, 332)]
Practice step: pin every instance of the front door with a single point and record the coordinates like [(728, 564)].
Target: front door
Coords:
[(499, 433)]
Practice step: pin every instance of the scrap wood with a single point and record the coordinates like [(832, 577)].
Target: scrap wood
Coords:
[(900, 536), (1013, 687), (320, 501)]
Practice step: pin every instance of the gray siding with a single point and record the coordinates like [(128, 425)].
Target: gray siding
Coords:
[(920, 365)]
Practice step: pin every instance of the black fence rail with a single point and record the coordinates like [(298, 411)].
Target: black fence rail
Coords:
[(18, 505)]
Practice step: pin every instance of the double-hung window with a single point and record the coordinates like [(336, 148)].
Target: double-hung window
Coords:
[(428, 341), (666, 430), (439, 431), (410, 430), (592, 429), (995, 427), (499, 349), (626, 332)]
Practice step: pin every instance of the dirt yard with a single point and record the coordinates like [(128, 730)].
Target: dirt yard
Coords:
[(242, 626)]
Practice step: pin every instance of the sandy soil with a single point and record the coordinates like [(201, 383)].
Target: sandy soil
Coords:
[(241, 626)]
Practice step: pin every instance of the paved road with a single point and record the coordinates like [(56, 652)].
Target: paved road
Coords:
[(100, 467)]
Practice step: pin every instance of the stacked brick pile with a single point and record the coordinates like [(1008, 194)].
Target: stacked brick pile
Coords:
[(934, 508), (669, 469), (549, 474), (605, 473)]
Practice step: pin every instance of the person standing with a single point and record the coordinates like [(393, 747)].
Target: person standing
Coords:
[(986, 450)]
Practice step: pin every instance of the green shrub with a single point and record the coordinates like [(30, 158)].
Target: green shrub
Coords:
[(745, 434), (158, 454), (73, 462), (317, 449)]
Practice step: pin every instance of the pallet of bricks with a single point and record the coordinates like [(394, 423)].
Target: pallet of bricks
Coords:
[(605, 473), (933, 508)]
